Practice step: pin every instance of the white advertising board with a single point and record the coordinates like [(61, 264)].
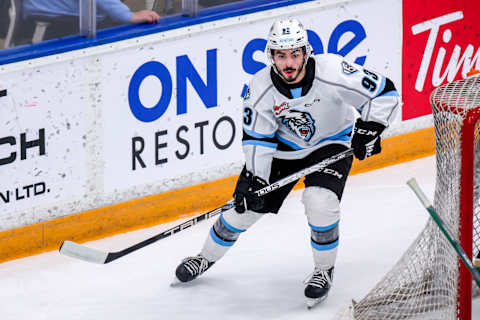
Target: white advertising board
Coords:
[(42, 131), (173, 108)]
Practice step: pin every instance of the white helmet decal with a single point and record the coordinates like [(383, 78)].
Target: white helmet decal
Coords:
[(287, 34)]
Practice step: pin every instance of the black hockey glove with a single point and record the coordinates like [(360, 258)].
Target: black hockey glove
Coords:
[(245, 196), (366, 138)]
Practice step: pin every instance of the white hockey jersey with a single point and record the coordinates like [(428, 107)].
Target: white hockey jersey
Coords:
[(276, 124)]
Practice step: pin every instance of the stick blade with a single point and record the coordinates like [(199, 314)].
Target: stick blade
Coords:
[(78, 251)]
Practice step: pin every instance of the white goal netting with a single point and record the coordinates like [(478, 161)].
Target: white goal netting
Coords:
[(426, 283)]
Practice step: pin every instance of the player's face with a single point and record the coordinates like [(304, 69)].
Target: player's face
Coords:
[(289, 63)]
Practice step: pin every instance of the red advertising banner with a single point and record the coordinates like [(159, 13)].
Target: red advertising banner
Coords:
[(441, 43)]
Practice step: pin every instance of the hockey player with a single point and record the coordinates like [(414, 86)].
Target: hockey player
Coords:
[(296, 113)]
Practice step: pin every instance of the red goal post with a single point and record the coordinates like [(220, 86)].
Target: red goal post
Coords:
[(462, 99)]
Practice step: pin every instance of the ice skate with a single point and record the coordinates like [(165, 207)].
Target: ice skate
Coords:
[(190, 268), (318, 286)]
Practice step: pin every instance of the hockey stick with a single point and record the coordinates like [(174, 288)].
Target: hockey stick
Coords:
[(412, 183), (78, 251)]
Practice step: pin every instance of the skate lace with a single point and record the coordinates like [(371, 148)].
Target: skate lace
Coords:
[(196, 265), (319, 278)]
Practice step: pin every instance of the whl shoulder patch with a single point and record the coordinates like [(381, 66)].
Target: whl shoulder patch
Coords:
[(348, 68)]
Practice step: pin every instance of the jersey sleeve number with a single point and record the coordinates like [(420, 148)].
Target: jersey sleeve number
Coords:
[(247, 116), (367, 81)]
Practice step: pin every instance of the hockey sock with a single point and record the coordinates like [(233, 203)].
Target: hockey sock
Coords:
[(225, 232)]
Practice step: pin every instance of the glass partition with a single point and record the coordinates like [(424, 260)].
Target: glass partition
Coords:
[(212, 3), (186, 7), (166, 7), (121, 12), (33, 21)]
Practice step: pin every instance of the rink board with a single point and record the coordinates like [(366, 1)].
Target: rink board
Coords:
[(93, 139), (173, 205)]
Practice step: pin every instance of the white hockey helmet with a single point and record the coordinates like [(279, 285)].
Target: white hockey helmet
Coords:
[(287, 34)]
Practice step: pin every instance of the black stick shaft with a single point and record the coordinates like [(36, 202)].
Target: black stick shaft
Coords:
[(78, 251)]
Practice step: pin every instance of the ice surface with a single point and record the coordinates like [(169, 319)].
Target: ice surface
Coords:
[(260, 278)]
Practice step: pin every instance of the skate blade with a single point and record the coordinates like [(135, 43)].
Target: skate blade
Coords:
[(311, 303), (175, 282)]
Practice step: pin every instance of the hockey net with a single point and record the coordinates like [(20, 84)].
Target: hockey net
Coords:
[(429, 281)]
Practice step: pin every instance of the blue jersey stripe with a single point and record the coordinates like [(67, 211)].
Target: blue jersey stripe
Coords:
[(258, 135), (341, 136), (289, 143), (390, 93), (381, 87), (260, 143)]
